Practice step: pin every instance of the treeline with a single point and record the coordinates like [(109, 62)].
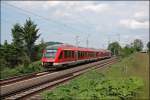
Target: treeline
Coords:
[(135, 46), (22, 49)]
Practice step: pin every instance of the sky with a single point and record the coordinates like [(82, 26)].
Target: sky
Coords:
[(99, 22)]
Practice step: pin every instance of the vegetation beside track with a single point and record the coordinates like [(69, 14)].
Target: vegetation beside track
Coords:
[(136, 65), (21, 70), (127, 79)]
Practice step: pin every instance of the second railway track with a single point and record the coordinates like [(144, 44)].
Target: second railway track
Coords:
[(24, 88)]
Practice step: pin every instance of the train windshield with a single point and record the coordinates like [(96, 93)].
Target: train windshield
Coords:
[(50, 53)]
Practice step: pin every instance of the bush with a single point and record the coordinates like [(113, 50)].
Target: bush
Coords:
[(95, 86), (21, 69)]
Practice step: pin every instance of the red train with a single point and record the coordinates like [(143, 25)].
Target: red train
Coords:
[(63, 54)]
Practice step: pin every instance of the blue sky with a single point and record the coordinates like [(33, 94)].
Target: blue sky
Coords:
[(101, 22)]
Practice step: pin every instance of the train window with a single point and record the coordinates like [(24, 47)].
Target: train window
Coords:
[(65, 54), (79, 54), (86, 54), (83, 54), (50, 53), (61, 55), (72, 54), (69, 54)]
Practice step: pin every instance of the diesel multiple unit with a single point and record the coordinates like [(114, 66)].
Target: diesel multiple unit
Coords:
[(63, 54)]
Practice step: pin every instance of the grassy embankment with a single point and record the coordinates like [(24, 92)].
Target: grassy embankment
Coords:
[(136, 65), (21, 69), (127, 79)]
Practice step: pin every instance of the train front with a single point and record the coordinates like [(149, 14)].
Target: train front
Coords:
[(48, 58)]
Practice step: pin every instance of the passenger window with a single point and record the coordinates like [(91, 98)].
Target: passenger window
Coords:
[(65, 54), (69, 54), (78, 54), (72, 54)]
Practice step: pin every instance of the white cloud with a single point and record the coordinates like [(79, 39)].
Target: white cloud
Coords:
[(73, 5), (96, 8), (134, 24), (33, 5), (61, 14), (47, 4), (141, 14)]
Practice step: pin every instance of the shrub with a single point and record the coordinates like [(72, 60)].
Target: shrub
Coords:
[(21, 69), (95, 86)]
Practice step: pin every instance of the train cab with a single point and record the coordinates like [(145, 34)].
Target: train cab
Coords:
[(49, 55)]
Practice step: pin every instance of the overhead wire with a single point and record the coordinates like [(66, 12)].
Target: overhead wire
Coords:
[(74, 30), (44, 18)]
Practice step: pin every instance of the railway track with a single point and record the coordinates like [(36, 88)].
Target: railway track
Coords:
[(21, 77), (25, 88)]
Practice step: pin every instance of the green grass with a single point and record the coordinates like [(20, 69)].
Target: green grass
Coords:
[(95, 86), (21, 69), (127, 79), (135, 65)]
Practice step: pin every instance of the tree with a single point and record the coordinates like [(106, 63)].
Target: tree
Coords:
[(30, 35), (39, 50), (138, 44), (17, 36), (148, 45), (8, 55), (114, 48), (21, 50), (18, 43), (127, 50)]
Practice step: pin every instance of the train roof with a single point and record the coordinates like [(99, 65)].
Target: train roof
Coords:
[(56, 46), (68, 47)]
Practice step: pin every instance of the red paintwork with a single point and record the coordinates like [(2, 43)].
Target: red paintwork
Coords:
[(99, 53), (47, 59)]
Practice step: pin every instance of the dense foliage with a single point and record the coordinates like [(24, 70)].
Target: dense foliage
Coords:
[(114, 48), (22, 50), (128, 49), (138, 44), (21, 69), (95, 86)]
